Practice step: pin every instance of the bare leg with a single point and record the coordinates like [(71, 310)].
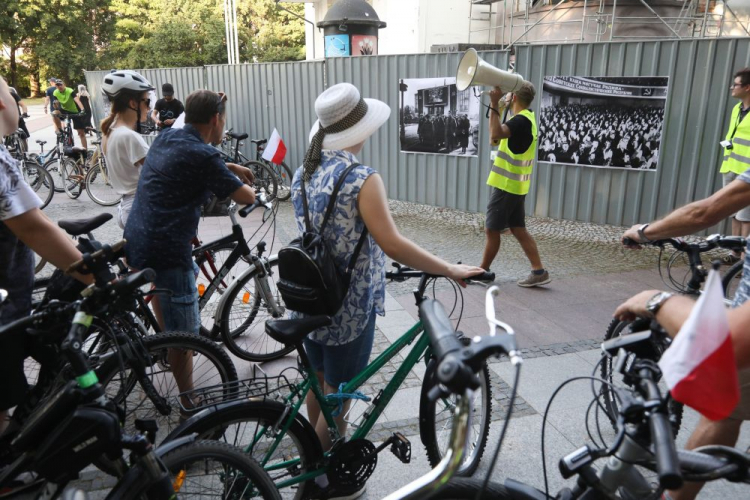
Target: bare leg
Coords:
[(313, 408), (156, 306), (529, 247), (321, 427), (723, 432), (736, 227), (181, 361), (491, 247), (82, 137)]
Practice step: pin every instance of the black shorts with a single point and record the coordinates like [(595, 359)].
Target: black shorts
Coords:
[(505, 210), (81, 122)]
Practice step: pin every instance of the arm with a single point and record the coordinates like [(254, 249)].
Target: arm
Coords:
[(46, 239), (498, 131), (46, 103), (244, 195), (675, 311), (698, 215), (79, 103), (373, 207), (155, 116), (23, 106)]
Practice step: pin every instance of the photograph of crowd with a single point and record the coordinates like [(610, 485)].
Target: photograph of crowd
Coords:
[(436, 118), (611, 122)]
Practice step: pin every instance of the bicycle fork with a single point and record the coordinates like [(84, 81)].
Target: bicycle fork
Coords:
[(267, 295)]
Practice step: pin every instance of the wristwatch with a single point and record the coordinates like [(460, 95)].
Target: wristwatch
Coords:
[(654, 303), (642, 234)]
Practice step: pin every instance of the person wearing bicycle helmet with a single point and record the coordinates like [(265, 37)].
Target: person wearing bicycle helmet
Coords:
[(70, 103), (124, 148)]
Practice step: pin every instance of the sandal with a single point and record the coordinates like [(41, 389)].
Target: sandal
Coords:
[(192, 407)]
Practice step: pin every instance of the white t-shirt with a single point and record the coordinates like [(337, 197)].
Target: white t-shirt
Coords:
[(125, 148)]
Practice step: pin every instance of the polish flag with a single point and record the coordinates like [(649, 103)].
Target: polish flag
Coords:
[(699, 367), (275, 149)]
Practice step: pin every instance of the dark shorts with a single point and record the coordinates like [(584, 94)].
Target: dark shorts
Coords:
[(341, 363), (505, 210), (81, 122)]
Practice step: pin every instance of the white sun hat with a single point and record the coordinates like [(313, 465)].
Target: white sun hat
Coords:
[(337, 105)]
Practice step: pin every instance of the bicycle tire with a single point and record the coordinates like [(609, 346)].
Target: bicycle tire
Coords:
[(466, 488), (40, 181), (239, 475), (436, 440), (71, 186), (214, 367), (243, 320), (265, 178), (238, 424), (284, 178), (615, 329), (732, 279), (97, 187), (54, 167)]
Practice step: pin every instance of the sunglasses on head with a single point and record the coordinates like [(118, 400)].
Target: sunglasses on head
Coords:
[(222, 98)]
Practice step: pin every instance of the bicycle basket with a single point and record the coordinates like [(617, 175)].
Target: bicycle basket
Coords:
[(215, 207)]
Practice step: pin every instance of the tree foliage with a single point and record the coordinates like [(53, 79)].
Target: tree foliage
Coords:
[(62, 38)]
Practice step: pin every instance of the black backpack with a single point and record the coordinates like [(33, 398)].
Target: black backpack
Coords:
[(309, 281)]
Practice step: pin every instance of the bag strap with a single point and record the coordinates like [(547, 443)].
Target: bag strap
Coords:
[(353, 260), (304, 206), (334, 195)]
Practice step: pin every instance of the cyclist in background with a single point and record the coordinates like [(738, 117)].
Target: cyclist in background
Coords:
[(70, 103), (129, 94), (51, 104), (23, 112)]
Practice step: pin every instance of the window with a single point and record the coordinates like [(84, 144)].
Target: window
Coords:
[(463, 101)]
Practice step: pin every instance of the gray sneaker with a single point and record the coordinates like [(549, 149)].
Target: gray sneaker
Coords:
[(535, 280)]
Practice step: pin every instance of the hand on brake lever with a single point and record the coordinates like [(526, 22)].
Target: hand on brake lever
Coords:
[(459, 272), (635, 307), (244, 173)]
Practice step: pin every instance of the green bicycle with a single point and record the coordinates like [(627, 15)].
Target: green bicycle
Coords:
[(267, 423)]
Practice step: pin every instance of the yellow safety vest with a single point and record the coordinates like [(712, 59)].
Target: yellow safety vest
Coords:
[(512, 172), (737, 159)]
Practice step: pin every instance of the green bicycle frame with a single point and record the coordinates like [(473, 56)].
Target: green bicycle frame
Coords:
[(327, 405)]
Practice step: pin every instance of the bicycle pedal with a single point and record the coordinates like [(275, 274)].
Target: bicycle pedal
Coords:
[(401, 447)]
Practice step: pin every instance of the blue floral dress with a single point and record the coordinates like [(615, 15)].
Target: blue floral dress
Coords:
[(367, 289)]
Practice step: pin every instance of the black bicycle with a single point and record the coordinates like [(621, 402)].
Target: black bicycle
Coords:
[(78, 425), (691, 284), (265, 177)]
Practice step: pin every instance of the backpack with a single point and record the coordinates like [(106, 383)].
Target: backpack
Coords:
[(309, 281)]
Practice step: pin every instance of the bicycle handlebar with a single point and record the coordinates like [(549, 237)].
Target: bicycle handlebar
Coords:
[(107, 251), (710, 243), (667, 463), (260, 199)]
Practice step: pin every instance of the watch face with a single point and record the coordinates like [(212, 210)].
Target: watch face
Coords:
[(656, 301)]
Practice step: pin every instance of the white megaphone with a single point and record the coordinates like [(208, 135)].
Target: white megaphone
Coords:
[(472, 70)]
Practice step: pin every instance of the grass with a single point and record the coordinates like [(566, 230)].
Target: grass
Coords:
[(33, 101)]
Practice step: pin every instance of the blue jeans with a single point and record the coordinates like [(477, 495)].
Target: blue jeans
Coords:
[(180, 310), (341, 363)]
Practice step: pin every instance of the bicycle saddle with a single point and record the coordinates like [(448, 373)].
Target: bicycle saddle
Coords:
[(78, 227), (292, 331), (239, 137), (259, 142), (41, 143)]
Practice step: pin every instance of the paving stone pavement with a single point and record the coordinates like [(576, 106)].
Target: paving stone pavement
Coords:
[(559, 330)]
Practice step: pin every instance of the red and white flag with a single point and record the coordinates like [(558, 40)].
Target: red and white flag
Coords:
[(699, 367), (275, 149)]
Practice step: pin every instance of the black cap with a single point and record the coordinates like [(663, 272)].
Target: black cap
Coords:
[(167, 89)]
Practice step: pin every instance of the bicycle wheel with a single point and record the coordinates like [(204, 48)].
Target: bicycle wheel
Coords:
[(40, 181), (253, 426), (731, 280), (54, 167), (615, 329), (205, 469), (72, 178), (244, 314), (99, 188), (210, 263), (436, 421), (210, 366), (265, 178), (284, 177), (467, 488)]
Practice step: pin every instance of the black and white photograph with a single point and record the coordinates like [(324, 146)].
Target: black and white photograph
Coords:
[(605, 122), (436, 118)]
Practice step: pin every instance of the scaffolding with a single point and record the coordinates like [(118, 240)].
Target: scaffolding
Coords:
[(513, 22)]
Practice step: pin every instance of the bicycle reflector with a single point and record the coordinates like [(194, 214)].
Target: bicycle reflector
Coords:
[(201, 289), (246, 298)]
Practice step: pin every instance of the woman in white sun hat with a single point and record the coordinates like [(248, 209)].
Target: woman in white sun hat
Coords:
[(340, 351)]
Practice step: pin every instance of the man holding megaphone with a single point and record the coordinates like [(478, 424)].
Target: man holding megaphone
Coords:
[(510, 177)]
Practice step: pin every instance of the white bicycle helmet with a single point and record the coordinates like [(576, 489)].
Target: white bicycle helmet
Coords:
[(124, 81)]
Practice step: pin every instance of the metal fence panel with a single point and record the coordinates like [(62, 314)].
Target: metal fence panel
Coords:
[(270, 95)]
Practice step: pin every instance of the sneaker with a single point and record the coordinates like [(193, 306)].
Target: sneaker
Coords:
[(535, 280), (331, 493)]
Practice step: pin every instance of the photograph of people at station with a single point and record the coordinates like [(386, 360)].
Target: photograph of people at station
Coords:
[(611, 122), (436, 118)]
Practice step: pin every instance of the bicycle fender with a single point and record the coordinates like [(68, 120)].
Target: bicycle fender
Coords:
[(234, 284), (521, 491), (167, 446)]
